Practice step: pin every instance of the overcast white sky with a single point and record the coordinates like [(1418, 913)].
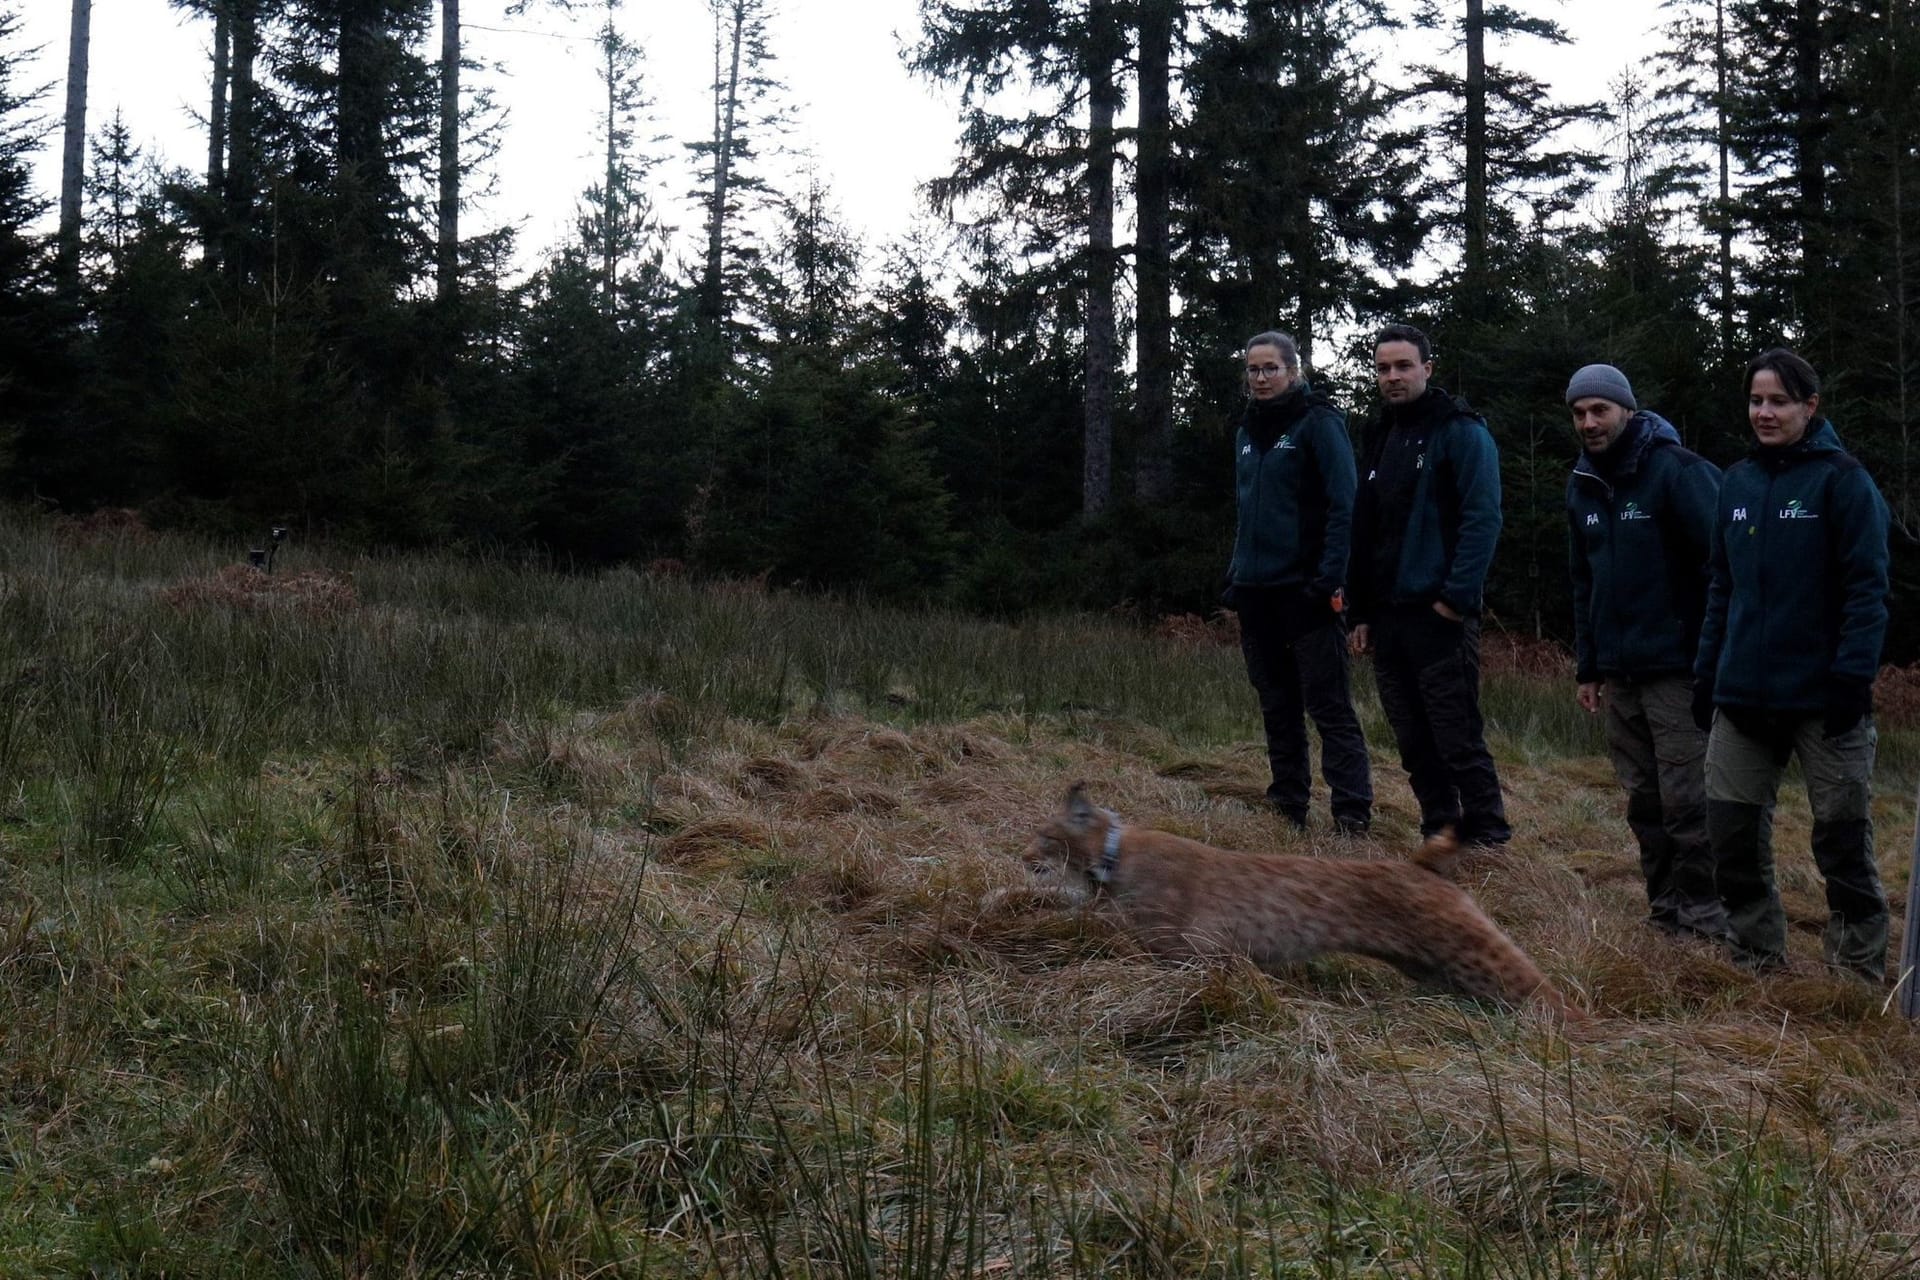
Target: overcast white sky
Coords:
[(873, 131)]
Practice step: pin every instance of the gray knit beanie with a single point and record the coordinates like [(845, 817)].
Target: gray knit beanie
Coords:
[(1601, 380)]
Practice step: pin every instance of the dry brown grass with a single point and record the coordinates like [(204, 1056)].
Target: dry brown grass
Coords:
[(836, 914), (106, 525), (312, 592), (896, 853), (1896, 695)]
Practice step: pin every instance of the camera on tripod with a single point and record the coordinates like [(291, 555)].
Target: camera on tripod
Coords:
[(261, 558)]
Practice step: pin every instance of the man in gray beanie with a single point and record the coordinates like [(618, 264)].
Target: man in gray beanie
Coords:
[(1640, 510)]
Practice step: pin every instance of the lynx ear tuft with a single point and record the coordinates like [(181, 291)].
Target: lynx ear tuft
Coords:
[(1077, 810)]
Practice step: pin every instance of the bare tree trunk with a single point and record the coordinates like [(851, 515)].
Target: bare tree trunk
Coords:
[(1476, 149), (73, 155), (726, 104), (1903, 364), (447, 263), (1096, 488), (1725, 211), (217, 107), (1902, 360), (1810, 173), (609, 214), (1303, 245), (240, 178), (360, 157), (1153, 287)]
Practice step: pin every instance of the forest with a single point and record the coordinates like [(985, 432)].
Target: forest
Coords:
[(1025, 404)]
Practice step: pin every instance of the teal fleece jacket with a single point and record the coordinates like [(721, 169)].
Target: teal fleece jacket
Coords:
[(1798, 595)]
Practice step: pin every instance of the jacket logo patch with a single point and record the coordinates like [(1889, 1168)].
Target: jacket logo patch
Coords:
[(1245, 449), (1287, 443), (1794, 511), (1592, 519), (1632, 511), (1420, 462), (1739, 514)]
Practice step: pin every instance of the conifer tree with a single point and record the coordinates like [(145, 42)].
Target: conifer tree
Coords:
[(117, 186), (1513, 165), (1693, 98), (1300, 197), (600, 461), (1034, 178), (826, 478), (746, 116), (618, 224), (138, 290), (26, 337)]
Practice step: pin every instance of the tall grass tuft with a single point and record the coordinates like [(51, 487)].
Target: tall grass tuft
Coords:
[(467, 919), (116, 750)]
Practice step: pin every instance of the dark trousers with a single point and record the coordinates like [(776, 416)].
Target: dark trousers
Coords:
[(1428, 672), (1660, 755), (1297, 662)]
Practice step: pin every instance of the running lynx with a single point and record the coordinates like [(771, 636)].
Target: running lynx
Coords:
[(1186, 900)]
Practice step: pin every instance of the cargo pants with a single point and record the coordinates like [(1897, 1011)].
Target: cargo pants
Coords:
[(1743, 780), (1659, 755)]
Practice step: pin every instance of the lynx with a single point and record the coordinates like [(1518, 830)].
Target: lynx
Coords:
[(1187, 900)]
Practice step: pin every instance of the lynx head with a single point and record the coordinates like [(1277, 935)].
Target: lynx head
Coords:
[(1068, 845)]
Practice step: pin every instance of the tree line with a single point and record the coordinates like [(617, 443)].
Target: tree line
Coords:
[(1027, 400)]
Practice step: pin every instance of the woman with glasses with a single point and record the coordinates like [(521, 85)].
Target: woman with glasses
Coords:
[(1796, 612), (1295, 483)]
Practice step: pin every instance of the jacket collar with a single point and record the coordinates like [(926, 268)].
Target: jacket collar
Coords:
[(1432, 408), (1644, 431), (1820, 439)]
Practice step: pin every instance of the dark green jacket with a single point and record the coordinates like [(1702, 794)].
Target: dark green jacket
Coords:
[(1294, 474), (1798, 598), (1427, 517), (1640, 520)]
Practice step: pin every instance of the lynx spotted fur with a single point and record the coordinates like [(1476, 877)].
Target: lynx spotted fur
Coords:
[(1187, 900)]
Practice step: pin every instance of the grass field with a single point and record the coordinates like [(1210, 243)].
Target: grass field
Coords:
[(421, 917)]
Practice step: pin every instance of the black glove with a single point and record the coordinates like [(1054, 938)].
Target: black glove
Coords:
[(1703, 705), (1848, 703)]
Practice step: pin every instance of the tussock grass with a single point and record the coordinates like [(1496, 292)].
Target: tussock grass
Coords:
[(481, 921)]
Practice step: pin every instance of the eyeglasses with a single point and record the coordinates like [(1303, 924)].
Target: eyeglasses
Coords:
[(1264, 371)]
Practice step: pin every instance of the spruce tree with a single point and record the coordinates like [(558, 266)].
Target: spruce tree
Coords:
[(1300, 199), (747, 115), (1036, 178), (30, 351), (1504, 166)]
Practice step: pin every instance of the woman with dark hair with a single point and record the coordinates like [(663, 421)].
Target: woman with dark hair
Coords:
[(1796, 613), (1295, 482)]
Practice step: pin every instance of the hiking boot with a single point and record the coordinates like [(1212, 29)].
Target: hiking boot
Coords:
[(1757, 963), (1705, 919)]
